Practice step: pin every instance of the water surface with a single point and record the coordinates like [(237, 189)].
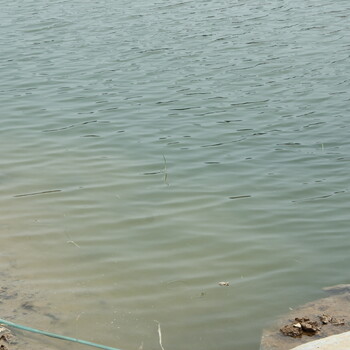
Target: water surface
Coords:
[(151, 149)]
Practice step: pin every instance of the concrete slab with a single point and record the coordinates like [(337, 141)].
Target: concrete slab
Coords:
[(334, 342)]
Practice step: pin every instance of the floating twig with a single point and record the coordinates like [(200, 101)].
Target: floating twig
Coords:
[(72, 242), (165, 171), (78, 317), (159, 334)]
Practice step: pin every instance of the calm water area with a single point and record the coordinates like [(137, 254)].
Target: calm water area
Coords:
[(151, 149)]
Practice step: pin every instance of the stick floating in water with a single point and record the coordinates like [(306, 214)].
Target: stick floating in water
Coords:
[(159, 334)]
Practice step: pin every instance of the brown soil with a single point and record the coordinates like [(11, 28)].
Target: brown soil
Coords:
[(312, 321)]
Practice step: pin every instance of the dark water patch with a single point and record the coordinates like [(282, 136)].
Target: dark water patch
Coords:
[(289, 144), (132, 97), (222, 143), (27, 305), (6, 293), (70, 126), (213, 144), (166, 102), (314, 124), (52, 316), (183, 108), (36, 193), (229, 121), (316, 198), (216, 98), (196, 93), (109, 109), (240, 197), (153, 173)]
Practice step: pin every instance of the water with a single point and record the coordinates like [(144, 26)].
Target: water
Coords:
[(151, 149)]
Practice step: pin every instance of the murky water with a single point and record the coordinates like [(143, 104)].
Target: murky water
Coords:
[(151, 149)]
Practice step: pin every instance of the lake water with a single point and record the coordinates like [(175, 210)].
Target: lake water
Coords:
[(151, 149)]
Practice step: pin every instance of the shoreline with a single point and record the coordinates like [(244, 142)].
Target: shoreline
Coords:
[(22, 306)]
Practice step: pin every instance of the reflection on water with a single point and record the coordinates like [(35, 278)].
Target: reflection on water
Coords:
[(151, 150)]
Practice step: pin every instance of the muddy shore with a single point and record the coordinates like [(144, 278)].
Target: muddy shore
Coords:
[(28, 308), (315, 320)]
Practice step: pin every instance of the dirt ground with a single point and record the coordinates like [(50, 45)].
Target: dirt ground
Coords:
[(312, 321)]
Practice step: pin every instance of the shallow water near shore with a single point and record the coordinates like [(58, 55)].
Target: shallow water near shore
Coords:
[(153, 149)]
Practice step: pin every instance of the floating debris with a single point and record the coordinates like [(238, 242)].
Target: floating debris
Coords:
[(225, 284), (159, 334)]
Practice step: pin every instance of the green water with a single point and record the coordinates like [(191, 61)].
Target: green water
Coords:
[(151, 149)]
